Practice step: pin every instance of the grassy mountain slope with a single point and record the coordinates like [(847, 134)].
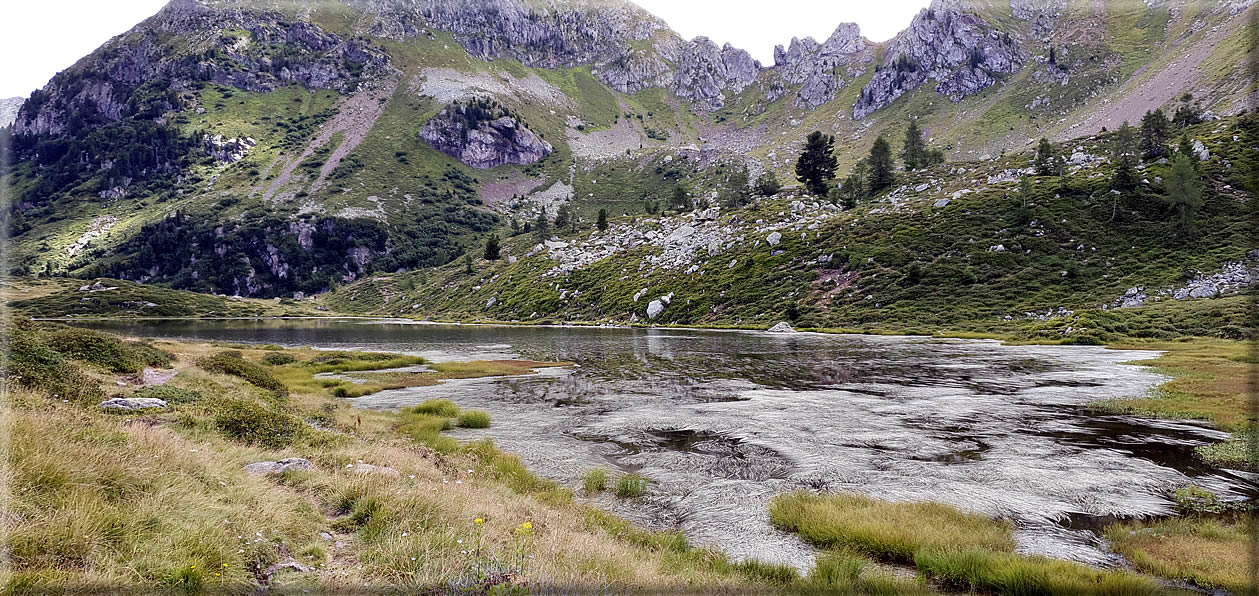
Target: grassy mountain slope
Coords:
[(339, 160)]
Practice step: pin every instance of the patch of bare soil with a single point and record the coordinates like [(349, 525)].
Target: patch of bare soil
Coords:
[(1136, 97)]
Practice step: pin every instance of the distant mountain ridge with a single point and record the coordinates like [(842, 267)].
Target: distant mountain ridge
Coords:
[(218, 144)]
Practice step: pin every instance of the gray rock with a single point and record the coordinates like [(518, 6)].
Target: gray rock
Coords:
[(941, 202), (958, 49), (131, 404), (654, 309), (782, 327), (483, 138), (1200, 150), (774, 238), (264, 468)]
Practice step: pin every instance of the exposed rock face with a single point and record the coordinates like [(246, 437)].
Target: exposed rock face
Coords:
[(816, 67), (227, 150), (8, 109), (705, 71), (101, 88), (483, 138), (957, 49)]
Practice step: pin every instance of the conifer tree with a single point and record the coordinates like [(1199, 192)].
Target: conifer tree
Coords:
[(815, 167), (882, 171)]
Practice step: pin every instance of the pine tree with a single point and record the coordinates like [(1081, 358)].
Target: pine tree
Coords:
[(492, 248), (1184, 192), (1124, 158), (914, 154), (541, 228), (561, 218), (467, 264), (815, 167), (681, 199), (767, 184), (602, 222), (882, 171), (854, 188), (734, 191), (1154, 127), (1045, 158)]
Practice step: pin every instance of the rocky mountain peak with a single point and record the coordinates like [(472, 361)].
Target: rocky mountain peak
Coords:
[(958, 49), (817, 67)]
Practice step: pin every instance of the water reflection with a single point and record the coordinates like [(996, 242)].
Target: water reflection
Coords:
[(723, 421)]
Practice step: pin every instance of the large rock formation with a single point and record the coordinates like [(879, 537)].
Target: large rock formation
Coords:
[(483, 134), (140, 74), (817, 67), (957, 49), (705, 72)]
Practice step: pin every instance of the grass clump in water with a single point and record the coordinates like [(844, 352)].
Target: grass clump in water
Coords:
[(474, 419), (893, 531), (629, 486), (595, 481), (437, 407), (962, 550)]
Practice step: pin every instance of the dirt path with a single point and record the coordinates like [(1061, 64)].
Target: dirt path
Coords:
[(355, 118), (1135, 98)]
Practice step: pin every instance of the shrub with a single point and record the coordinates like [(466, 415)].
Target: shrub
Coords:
[(595, 481), (474, 419), (278, 359), (230, 363), (33, 364), (168, 394), (437, 407), (251, 422), (630, 485), (107, 351)]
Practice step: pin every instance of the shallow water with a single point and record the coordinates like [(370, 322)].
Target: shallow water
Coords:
[(723, 421)]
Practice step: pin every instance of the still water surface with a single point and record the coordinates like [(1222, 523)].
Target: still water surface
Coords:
[(722, 421)]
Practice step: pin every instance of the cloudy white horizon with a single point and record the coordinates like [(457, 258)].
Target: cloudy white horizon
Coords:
[(33, 55)]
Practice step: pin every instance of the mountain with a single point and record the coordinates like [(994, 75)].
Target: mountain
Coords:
[(287, 147)]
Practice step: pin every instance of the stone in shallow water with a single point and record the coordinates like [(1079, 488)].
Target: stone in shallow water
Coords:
[(131, 404)]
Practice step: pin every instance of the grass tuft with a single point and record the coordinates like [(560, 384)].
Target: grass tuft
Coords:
[(474, 419), (629, 486), (595, 481)]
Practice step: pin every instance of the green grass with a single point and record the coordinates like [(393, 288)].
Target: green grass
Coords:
[(595, 481), (437, 407), (474, 419), (1209, 553), (963, 551), (629, 486), (231, 363)]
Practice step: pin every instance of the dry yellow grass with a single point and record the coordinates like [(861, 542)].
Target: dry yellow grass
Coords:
[(139, 502), (1209, 553)]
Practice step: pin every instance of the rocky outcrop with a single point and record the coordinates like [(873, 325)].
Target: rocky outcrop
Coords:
[(133, 404), (959, 50), (819, 68), (227, 150), (8, 110), (140, 74), (483, 135), (705, 72), (266, 468)]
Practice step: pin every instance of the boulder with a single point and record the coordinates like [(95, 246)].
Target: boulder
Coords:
[(131, 404), (782, 327), (266, 468), (483, 136), (654, 309), (774, 238)]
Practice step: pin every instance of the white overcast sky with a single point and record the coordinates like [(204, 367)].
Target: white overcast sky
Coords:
[(38, 38)]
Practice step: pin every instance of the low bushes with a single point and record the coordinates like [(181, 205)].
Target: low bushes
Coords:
[(278, 359), (252, 422), (230, 363), (107, 351)]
